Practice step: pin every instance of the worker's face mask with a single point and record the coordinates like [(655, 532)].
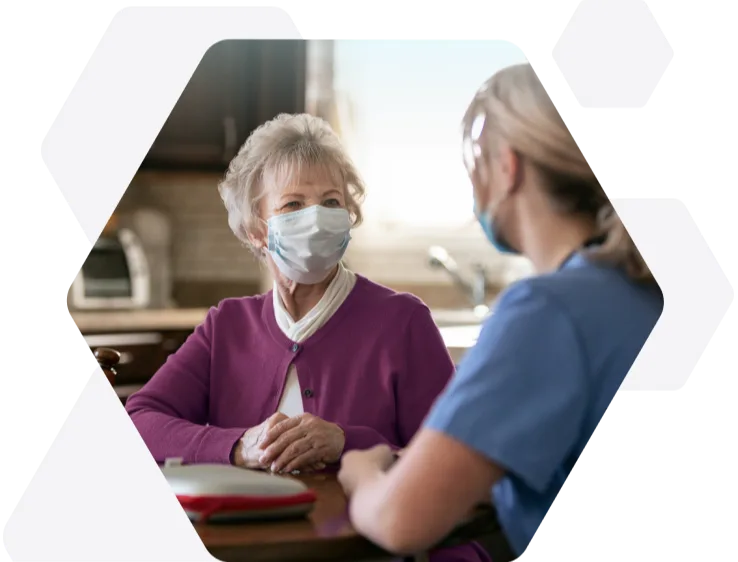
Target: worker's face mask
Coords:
[(307, 244), (489, 218), (491, 231)]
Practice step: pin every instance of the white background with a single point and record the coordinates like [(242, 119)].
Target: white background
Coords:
[(96, 482)]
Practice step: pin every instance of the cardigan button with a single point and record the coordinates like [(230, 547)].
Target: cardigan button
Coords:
[(307, 393), (295, 348)]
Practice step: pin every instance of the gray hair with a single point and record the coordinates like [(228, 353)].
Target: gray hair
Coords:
[(276, 153)]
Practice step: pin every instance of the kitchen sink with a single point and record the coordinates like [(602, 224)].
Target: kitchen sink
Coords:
[(459, 329), (458, 316), (461, 337)]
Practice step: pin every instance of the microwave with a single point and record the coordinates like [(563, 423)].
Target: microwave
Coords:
[(115, 275)]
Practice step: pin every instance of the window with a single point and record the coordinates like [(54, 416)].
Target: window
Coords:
[(400, 105)]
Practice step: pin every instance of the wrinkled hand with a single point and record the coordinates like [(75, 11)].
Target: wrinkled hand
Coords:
[(302, 441), (248, 451), (358, 465)]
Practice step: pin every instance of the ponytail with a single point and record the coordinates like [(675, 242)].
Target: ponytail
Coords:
[(618, 248)]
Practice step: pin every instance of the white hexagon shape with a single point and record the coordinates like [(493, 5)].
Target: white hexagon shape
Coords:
[(628, 55), (98, 480)]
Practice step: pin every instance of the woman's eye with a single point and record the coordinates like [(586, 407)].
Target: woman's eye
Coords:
[(332, 203), (292, 205)]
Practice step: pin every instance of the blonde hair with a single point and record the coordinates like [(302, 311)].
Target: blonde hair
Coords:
[(517, 109), (278, 153)]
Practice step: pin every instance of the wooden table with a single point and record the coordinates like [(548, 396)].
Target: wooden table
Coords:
[(325, 535)]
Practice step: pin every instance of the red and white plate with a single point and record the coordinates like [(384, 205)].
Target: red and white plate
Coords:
[(223, 493)]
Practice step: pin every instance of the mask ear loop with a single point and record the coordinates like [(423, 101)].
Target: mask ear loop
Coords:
[(265, 226)]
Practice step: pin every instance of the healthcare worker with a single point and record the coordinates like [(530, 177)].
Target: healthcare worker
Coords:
[(528, 396)]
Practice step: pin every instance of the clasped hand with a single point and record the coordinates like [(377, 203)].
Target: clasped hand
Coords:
[(282, 444)]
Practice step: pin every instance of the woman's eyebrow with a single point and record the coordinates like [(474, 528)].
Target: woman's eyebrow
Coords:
[(291, 195)]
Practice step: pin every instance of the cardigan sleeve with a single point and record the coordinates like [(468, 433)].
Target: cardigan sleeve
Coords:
[(171, 411)]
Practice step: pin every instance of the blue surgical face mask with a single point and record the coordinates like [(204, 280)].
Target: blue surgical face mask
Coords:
[(307, 244), (488, 226)]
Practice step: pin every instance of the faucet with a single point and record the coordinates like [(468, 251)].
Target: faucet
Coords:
[(474, 290)]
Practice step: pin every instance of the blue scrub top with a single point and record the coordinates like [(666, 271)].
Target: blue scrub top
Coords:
[(532, 390)]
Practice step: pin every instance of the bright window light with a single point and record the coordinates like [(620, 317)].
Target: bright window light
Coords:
[(400, 105)]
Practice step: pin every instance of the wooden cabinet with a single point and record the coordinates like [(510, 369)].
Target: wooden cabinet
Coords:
[(238, 85)]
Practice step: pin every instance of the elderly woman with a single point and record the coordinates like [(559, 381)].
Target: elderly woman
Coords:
[(324, 363)]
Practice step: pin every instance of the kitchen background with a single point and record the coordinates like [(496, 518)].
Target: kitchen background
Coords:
[(167, 253)]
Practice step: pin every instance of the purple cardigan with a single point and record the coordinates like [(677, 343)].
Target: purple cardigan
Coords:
[(375, 368)]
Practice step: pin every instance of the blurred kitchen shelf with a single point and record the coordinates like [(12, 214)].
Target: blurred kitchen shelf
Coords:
[(139, 320)]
